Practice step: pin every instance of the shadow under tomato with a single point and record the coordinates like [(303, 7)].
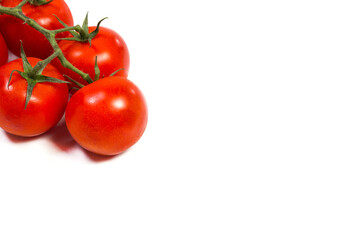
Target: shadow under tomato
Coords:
[(18, 139), (97, 158), (61, 137)]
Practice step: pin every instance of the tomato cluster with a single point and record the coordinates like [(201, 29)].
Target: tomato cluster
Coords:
[(105, 116)]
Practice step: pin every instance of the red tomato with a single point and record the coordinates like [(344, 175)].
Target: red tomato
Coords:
[(110, 49), (45, 108), (35, 44), (108, 116), (3, 51)]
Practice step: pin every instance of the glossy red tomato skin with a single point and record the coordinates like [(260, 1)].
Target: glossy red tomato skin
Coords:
[(108, 116), (45, 108), (108, 46), (35, 44), (3, 51)]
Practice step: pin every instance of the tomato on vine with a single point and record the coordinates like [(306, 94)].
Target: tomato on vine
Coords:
[(108, 116), (41, 11), (33, 96), (91, 42)]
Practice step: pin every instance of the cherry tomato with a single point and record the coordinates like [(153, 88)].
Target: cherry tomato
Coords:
[(45, 108), (110, 49), (3, 51), (108, 116), (35, 44)]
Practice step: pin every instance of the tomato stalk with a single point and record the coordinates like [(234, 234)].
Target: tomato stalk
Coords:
[(50, 35), (40, 66), (21, 4)]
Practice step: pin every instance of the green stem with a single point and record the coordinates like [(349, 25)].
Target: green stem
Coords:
[(21, 4), (49, 34), (76, 28), (39, 67)]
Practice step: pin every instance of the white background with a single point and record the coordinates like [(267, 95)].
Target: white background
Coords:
[(253, 133)]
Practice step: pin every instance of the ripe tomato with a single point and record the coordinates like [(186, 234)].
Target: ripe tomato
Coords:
[(110, 49), (3, 51), (108, 116), (35, 44), (45, 108)]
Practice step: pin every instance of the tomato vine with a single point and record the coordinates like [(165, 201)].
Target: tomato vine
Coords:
[(104, 116), (50, 35)]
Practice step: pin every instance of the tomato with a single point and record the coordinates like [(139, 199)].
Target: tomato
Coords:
[(3, 51), (45, 108), (35, 44), (108, 116), (110, 49)]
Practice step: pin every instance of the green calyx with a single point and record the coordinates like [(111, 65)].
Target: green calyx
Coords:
[(97, 75), (33, 75), (39, 2), (97, 71), (81, 34)]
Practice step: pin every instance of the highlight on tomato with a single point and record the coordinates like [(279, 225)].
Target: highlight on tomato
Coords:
[(108, 116), (45, 13)]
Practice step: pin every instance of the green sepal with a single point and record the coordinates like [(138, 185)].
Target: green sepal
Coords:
[(73, 81), (116, 72), (31, 82), (64, 25), (32, 75), (74, 88), (42, 79), (46, 2), (30, 87), (8, 83), (97, 70), (60, 21), (26, 65), (96, 31), (85, 24), (83, 34), (39, 2)]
